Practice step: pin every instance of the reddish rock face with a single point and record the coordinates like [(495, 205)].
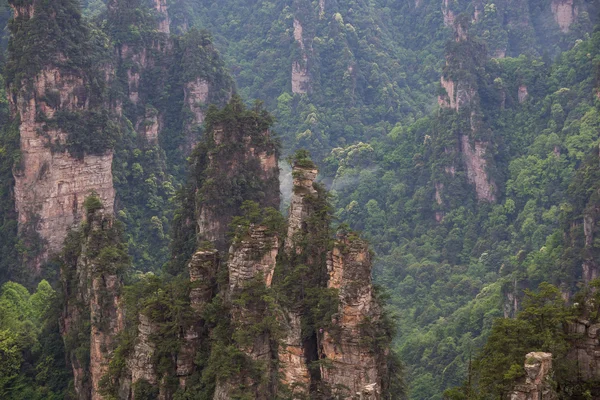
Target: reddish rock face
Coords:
[(354, 364), (50, 186)]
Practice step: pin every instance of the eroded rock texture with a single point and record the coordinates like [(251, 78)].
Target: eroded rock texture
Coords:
[(537, 383), (304, 178), (52, 182), (245, 158), (471, 137), (293, 365), (252, 262), (357, 367), (300, 76), (92, 286), (565, 12), (585, 351)]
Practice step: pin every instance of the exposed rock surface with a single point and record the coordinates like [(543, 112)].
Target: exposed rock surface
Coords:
[(293, 367), (141, 363), (355, 364), (448, 14), (585, 351), (565, 12), (202, 269), (253, 256), (475, 161), (523, 93), (50, 183), (163, 23), (304, 178), (92, 287), (195, 98), (300, 76), (256, 155), (292, 353), (590, 270), (536, 384), (457, 95)]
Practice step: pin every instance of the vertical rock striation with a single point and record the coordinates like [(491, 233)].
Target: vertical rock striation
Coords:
[(239, 163), (93, 262), (565, 12), (292, 353), (461, 97), (48, 100), (536, 384), (205, 82), (252, 260), (202, 269), (300, 75), (357, 367)]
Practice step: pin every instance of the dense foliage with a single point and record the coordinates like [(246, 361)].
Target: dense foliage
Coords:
[(31, 348), (371, 116)]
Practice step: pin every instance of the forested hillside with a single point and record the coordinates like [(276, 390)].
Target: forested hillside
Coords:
[(459, 138)]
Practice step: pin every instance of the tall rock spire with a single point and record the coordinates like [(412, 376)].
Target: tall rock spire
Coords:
[(58, 104)]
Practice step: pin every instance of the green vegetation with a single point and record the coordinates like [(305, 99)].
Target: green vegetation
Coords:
[(544, 324), (392, 158), (31, 349)]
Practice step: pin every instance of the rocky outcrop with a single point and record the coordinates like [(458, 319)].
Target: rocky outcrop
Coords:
[(252, 260), (457, 95), (565, 12), (51, 183), (205, 82), (537, 383), (254, 255), (195, 98), (584, 353), (304, 178), (92, 287), (163, 16), (293, 366), (523, 94), (245, 155), (354, 364), (590, 269), (141, 363), (300, 76), (462, 97), (448, 14), (203, 270), (476, 164)]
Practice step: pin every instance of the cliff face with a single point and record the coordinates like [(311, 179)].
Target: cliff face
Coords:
[(565, 12), (293, 365), (585, 349), (251, 263), (204, 82), (53, 178), (355, 364), (461, 97), (537, 383), (202, 269), (246, 158), (93, 261), (300, 76)]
